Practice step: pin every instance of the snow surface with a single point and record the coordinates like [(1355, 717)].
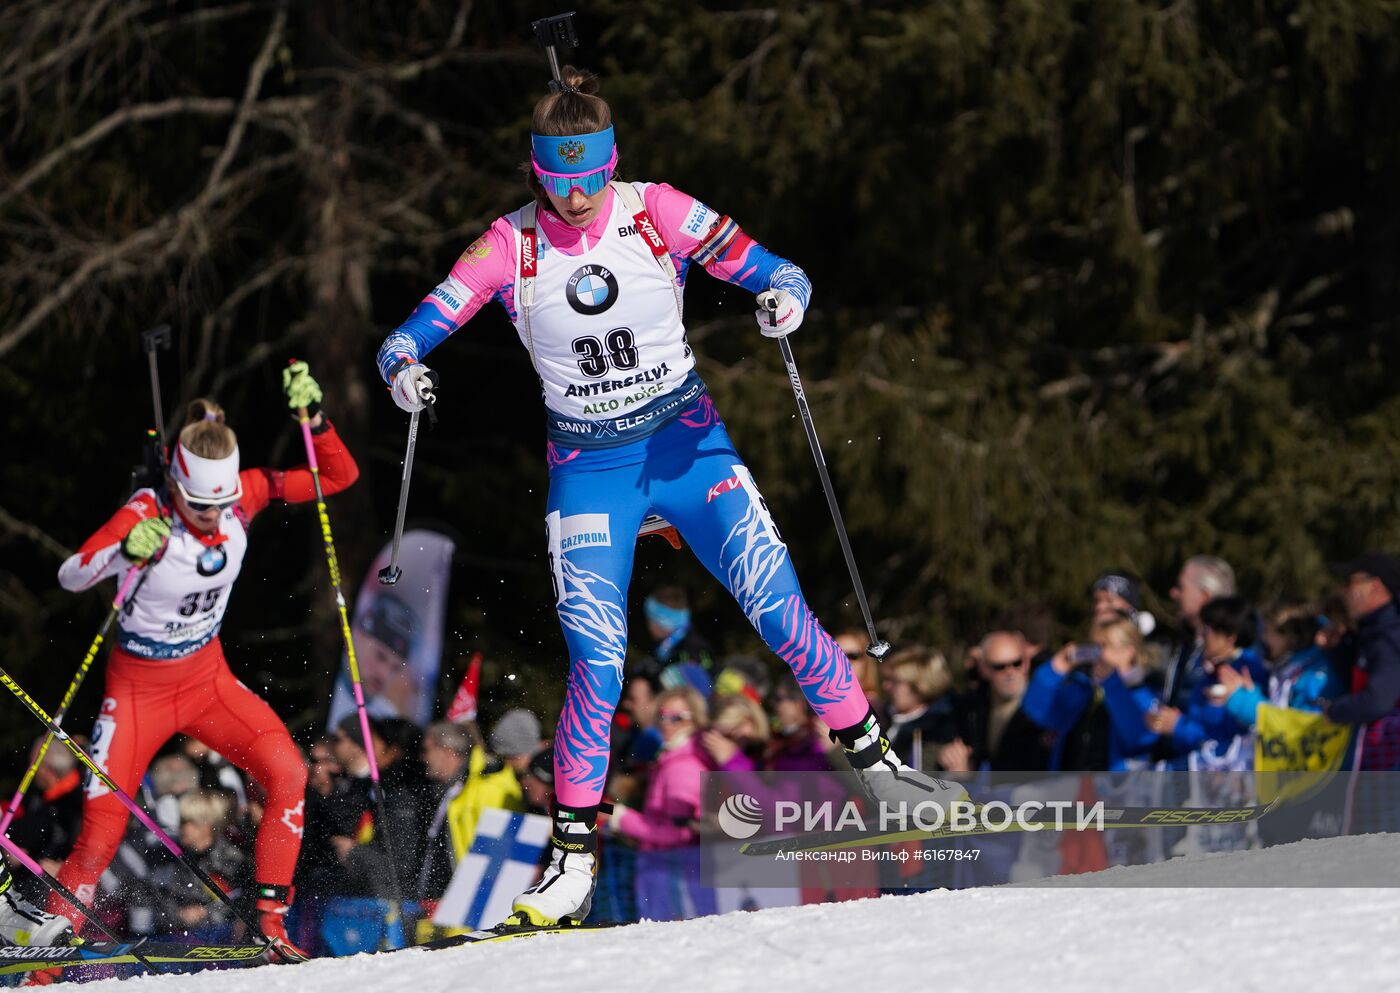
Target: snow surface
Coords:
[(1138, 935)]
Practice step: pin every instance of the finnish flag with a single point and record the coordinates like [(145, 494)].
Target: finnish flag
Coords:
[(502, 863)]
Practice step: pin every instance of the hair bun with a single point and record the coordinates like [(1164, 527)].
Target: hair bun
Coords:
[(204, 409), (578, 80)]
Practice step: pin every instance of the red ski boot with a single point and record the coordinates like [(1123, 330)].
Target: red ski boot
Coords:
[(272, 906)]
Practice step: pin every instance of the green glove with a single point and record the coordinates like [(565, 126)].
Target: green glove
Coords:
[(301, 389), (145, 539)]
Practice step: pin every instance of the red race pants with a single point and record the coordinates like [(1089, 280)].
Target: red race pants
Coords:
[(145, 704)]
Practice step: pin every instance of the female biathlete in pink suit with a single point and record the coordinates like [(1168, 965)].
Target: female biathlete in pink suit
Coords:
[(592, 275), (167, 673)]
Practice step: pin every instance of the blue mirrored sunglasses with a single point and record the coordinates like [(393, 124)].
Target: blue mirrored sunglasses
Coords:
[(561, 184)]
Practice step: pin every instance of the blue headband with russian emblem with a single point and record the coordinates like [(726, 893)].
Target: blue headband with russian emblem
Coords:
[(573, 155)]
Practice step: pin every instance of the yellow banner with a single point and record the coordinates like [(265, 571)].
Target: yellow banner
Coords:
[(1290, 744), (485, 786)]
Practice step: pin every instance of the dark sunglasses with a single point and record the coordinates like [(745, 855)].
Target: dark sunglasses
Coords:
[(1003, 666), (673, 717), (200, 508)]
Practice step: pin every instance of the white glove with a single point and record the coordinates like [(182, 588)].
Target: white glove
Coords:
[(779, 313), (413, 386)]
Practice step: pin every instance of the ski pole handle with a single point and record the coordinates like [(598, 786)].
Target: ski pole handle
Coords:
[(428, 394)]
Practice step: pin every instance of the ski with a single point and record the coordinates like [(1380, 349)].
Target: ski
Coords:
[(1041, 818), (28, 958), (32, 958), (509, 932)]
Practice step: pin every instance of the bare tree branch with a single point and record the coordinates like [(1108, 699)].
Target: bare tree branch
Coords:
[(16, 526), (250, 95), (127, 115), (162, 239), (15, 73), (219, 318)]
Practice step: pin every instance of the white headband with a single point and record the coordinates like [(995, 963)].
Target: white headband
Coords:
[(207, 480)]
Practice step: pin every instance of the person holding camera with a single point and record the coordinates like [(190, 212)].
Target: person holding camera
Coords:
[(1093, 695)]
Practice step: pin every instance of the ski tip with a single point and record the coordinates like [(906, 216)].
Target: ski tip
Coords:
[(516, 926)]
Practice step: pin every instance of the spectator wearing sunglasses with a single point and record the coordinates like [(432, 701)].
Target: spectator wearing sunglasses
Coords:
[(190, 536), (672, 803), (1370, 591), (867, 671), (994, 731), (667, 882)]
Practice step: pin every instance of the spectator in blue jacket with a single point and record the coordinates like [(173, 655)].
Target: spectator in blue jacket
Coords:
[(1303, 674), (1229, 626), (1372, 585), (1093, 696)]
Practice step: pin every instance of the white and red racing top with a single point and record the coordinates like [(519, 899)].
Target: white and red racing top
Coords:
[(182, 602)]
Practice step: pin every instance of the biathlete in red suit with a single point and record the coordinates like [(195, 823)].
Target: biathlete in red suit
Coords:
[(167, 673)]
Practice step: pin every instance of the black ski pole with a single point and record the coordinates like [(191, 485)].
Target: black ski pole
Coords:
[(170, 843), (20, 856), (878, 648), (390, 574)]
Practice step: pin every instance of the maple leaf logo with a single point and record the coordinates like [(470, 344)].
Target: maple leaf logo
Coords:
[(293, 817)]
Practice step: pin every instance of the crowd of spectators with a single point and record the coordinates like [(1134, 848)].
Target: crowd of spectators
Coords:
[(1124, 692)]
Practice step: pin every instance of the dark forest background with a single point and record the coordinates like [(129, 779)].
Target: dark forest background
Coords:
[(1096, 285)]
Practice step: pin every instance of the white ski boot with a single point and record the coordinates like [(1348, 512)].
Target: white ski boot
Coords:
[(22, 923), (564, 894), (886, 779)]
